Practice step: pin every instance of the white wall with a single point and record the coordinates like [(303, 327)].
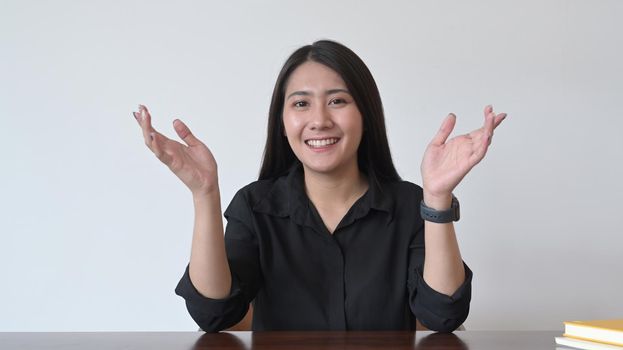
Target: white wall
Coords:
[(95, 232)]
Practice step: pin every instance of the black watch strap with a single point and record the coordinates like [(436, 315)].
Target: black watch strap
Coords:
[(441, 216)]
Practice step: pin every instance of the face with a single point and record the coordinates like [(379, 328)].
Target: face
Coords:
[(322, 122)]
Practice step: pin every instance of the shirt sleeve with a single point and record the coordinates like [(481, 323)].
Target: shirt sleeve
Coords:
[(436, 311), (213, 315)]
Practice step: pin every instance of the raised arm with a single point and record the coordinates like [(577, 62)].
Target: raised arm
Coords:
[(445, 164), (194, 164)]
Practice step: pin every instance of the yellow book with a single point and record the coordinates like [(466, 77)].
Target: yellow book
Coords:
[(602, 331)]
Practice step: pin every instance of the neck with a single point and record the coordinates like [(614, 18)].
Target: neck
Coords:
[(340, 188)]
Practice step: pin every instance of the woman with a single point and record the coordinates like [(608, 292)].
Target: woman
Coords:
[(329, 237)]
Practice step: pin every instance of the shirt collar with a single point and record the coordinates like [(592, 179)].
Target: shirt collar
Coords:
[(287, 197)]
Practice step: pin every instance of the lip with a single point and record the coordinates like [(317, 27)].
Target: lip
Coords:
[(322, 148)]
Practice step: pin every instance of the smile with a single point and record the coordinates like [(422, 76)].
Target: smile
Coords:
[(321, 143)]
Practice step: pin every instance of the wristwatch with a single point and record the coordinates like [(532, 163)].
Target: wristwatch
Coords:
[(441, 216)]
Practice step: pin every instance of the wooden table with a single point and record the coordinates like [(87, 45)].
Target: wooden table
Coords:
[(474, 340)]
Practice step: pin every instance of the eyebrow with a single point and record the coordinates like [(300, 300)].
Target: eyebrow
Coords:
[(308, 93)]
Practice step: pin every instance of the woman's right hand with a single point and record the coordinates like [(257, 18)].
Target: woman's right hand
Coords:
[(193, 163)]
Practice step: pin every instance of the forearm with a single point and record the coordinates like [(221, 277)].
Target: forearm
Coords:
[(209, 269), (443, 265)]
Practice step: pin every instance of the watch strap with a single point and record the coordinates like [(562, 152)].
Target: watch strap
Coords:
[(441, 216)]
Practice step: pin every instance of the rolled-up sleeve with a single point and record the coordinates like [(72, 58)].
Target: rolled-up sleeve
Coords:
[(213, 315), (435, 310)]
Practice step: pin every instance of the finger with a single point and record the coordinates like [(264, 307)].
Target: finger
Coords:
[(499, 119), (489, 125), (480, 151), (139, 117), (145, 121), (158, 147), (485, 133), (140, 120), (184, 133), (145, 116), (147, 136), (486, 136), (444, 131)]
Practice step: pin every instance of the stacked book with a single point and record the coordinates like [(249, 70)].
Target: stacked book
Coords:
[(593, 335)]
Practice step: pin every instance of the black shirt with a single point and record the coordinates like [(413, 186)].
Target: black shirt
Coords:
[(367, 275)]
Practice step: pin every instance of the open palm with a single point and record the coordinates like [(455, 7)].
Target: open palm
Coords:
[(446, 162), (192, 163)]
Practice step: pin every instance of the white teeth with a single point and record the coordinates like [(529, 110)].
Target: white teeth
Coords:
[(321, 143)]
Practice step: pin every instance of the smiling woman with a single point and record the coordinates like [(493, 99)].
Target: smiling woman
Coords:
[(329, 237)]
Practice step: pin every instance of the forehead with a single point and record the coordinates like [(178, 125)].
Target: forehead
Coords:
[(314, 76)]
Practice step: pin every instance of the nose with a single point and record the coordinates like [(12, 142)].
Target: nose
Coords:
[(321, 118)]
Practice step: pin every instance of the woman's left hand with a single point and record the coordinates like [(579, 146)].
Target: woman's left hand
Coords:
[(446, 162)]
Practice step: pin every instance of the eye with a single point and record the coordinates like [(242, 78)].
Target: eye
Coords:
[(300, 104), (337, 101)]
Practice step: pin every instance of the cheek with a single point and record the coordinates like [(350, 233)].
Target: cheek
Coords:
[(291, 126), (353, 124), (357, 135)]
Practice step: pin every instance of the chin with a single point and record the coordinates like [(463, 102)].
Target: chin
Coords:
[(327, 165), (321, 168)]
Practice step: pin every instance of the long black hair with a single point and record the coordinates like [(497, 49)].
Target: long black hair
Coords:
[(373, 156)]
